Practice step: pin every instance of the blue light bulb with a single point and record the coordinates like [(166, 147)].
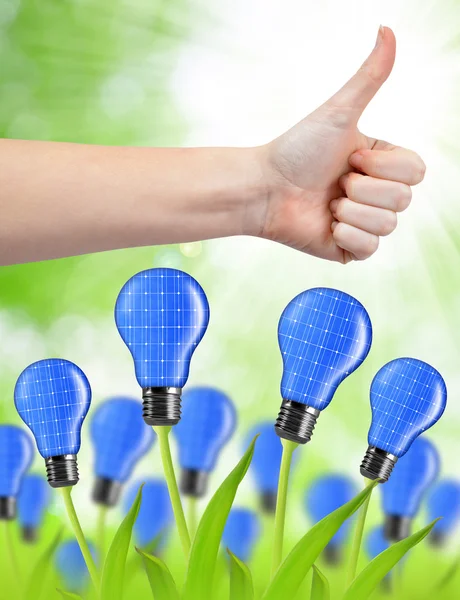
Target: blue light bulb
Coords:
[(155, 513), (444, 501), (376, 542), (241, 532), (408, 396), (324, 335), (120, 439), (71, 566), (325, 495), (402, 495), (162, 315), (266, 462), (33, 500), (16, 455), (52, 397), (208, 422)]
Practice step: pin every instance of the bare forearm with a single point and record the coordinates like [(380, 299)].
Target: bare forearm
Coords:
[(64, 199)]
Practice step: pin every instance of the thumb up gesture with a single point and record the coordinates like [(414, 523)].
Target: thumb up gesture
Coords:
[(332, 191)]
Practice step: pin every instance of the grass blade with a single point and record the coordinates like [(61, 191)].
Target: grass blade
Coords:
[(200, 574), (37, 578), (366, 582), (69, 595), (292, 572), (320, 586), (241, 586), (114, 566), (160, 579)]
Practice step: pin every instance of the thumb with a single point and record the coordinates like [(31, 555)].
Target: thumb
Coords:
[(362, 87)]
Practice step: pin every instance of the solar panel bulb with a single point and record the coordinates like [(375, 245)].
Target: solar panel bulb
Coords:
[(16, 456), (324, 335), (408, 397)]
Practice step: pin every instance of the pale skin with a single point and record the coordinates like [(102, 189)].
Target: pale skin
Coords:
[(323, 187)]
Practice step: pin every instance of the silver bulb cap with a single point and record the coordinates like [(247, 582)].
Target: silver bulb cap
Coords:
[(161, 405), (296, 421), (7, 508), (62, 471), (378, 464)]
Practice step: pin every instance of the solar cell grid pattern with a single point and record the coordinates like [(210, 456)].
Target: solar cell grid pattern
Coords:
[(266, 461), (120, 437), (162, 314), (52, 397), (33, 500), (325, 495), (207, 423), (324, 335), (241, 532), (155, 513), (412, 476), (16, 455), (407, 397), (376, 543), (444, 501)]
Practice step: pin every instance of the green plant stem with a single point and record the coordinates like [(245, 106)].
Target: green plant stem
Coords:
[(101, 530), (10, 549), (168, 469), (358, 537), (192, 515), (73, 518), (280, 515)]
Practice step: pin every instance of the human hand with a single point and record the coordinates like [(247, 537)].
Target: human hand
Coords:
[(331, 190)]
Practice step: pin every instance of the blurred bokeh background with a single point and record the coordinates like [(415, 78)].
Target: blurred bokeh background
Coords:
[(239, 72)]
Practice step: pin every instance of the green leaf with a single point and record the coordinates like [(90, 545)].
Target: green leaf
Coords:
[(320, 586), (160, 579), (37, 578), (449, 576), (203, 555), (69, 595), (366, 582), (241, 586), (291, 573), (114, 567)]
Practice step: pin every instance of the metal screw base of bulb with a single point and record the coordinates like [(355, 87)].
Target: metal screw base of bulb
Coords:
[(377, 464), (296, 421), (397, 528), (268, 502), (193, 483), (7, 508), (29, 534), (437, 539), (106, 491), (62, 471), (333, 554), (161, 406)]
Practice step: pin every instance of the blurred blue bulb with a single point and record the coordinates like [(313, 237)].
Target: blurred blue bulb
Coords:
[(33, 501), (241, 532), (120, 439), (155, 513), (376, 542), (402, 495), (324, 335), (326, 494), (16, 455), (408, 396), (53, 397), (444, 501), (208, 422), (71, 566)]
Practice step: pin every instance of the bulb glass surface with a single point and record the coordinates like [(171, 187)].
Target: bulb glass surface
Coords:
[(155, 513), (266, 461), (444, 501), (71, 565), (162, 314), (325, 495), (408, 396), (208, 422), (376, 543), (33, 500), (241, 532), (120, 437), (16, 455), (412, 476), (53, 397), (324, 335)]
